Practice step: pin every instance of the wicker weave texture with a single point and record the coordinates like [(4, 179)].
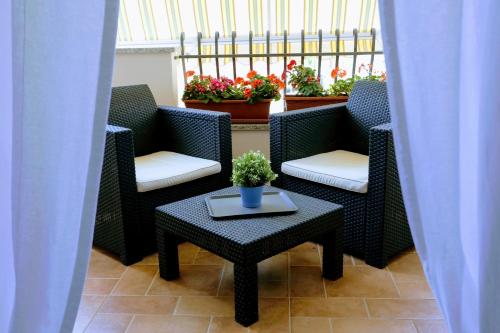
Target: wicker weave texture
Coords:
[(385, 202), (232, 238), (134, 107), (368, 106), (125, 218), (375, 223)]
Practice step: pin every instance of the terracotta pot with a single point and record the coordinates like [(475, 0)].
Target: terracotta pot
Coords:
[(241, 112), (300, 102)]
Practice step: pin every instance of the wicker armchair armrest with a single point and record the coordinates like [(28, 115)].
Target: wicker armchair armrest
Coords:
[(299, 134), (120, 148), (117, 221), (198, 133), (387, 230)]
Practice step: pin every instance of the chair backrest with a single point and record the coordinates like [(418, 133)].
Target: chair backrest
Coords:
[(368, 106), (134, 107)]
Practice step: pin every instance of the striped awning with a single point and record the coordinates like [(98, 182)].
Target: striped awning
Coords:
[(163, 20)]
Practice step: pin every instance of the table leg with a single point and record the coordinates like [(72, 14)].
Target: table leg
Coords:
[(333, 254), (168, 255), (246, 294)]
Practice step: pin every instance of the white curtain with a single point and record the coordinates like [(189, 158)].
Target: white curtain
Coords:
[(55, 71), (443, 66)]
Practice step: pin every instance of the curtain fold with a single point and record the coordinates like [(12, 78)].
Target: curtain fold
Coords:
[(441, 59), (7, 275), (52, 145)]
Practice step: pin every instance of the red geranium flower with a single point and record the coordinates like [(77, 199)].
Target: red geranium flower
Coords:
[(189, 74), (239, 80), (335, 72), (256, 83), (248, 93), (251, 74), (283, 75), (291, 64)]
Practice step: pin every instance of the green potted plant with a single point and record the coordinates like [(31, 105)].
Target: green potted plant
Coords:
[(343, 87), (310, 92), (247, 100), (251, 171)]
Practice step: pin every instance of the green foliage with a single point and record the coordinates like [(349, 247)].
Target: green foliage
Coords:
[(305, 81), (252, 169), (343, 87)]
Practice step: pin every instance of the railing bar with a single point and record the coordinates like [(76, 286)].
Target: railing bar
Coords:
[(337, 49), (285, 50), (268, 51), (302, 46), (217, 54), (233, 52), (277, 55), (355, 32), (320, 49), (372, 58), (250, 48), (200, 65), (183, 59)]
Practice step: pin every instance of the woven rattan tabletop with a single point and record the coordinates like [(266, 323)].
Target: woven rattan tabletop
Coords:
[(193, 211)]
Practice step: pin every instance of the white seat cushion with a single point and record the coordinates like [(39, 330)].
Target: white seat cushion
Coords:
[(166, 168), (339, 168)]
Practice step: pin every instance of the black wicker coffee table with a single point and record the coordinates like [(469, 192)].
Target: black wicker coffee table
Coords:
[(247, 241)]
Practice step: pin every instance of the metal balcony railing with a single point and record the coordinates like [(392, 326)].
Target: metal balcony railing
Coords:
[(284, 39)]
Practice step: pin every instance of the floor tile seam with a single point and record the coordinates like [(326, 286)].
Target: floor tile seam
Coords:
[(129, 324), (95, 313), (176, 305), (366, 307), (407, 318), (157, 273), (209, 324), (414, 326), (394, 281), (221, 277)]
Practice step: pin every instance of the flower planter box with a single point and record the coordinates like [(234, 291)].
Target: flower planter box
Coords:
[(301, 102), (241, 112)]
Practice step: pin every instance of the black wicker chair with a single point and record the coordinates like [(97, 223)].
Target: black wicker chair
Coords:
[(125, 217), (376, 227)]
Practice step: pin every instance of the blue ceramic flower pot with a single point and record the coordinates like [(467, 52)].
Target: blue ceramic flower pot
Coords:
[(251, 197)]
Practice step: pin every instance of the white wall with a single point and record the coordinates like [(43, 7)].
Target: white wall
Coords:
[(245, 140), (156, 67)]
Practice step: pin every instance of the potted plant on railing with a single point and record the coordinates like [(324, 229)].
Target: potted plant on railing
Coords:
[(310, 92), (343, 87), (247, 100), (251, 171)]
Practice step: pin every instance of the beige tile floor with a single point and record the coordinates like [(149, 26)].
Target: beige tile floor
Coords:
[(293, 296)]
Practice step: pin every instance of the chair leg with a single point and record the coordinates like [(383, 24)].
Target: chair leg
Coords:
[(128, 260), (377, 261)]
